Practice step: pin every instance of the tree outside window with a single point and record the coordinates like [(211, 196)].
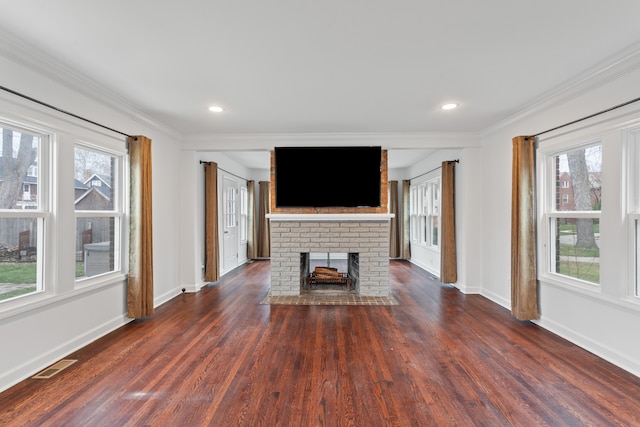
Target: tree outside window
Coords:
[(21, 213), (575, 219)]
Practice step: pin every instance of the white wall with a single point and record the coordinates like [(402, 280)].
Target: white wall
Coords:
[(468, 187), (191, 205), (600, 323), (33, 337)]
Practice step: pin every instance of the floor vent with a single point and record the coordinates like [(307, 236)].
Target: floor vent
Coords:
[(55, 368)]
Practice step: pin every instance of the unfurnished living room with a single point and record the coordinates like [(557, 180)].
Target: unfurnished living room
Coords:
[(331, 213)]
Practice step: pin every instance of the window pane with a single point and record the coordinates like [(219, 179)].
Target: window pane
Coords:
[(637, 258), (578, 180), (18, 256), (94, 180), (577, 252), (95, 251), (18, 170), (434, 231)]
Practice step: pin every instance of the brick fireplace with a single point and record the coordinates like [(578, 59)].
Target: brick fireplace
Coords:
[(293, 235)]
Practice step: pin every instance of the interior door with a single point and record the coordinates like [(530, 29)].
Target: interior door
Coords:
[(230, 230)]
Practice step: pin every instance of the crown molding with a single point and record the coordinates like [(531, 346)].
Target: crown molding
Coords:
[(28, 56), (221, 142), (606, 71)]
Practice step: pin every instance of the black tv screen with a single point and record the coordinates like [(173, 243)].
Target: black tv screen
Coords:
[(327, 176)]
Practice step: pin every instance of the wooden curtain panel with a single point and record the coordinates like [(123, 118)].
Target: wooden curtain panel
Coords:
[(140, 282), (264, 231), (405, 244), (394, 241), (524, 293), (251, 220), (212, 244), (448, 254)]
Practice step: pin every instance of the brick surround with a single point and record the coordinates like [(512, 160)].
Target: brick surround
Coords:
[(367, 235)]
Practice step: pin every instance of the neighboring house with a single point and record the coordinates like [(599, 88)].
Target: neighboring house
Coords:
[(92, 194), (27, 197), (565, 191), (97, 194), (96, 197)]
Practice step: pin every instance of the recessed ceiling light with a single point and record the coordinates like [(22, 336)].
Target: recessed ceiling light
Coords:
[(216, 109), (449, 106)]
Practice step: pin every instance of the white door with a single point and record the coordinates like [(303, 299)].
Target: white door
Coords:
[(230, 231)]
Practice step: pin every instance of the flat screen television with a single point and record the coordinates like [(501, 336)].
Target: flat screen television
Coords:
[(327, 177)]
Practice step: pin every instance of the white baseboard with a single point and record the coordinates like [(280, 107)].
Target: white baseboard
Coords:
[(607, 353), (496, 298), (467, 290), (159, 300)]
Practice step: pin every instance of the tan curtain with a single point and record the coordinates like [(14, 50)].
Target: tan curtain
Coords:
[(524, 293), (264, 231), (394, 241), (212, 244), (140, 282), (405, 244), (448, 255), (251, 220)]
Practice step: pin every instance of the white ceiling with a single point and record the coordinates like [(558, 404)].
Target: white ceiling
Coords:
[(329, 66)]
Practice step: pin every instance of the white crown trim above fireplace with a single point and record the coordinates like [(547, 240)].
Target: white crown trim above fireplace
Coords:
[(329, 217)]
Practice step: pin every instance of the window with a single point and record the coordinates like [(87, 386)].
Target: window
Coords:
[(98, 212), (573, 213), (633, 184), (230, 207), (22, 233), (424, 205), (434, 213), (244, 212), (413, 213), (50, 231)]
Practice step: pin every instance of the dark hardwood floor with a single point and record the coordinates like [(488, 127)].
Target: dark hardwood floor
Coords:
[(220, 358)]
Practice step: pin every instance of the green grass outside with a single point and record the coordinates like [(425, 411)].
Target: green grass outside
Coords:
[(18, 272), (571, 250), (588, 271), (25, 272), (571, 228)]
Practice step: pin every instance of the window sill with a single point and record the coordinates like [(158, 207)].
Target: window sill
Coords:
[(41, 299), (593, 292)]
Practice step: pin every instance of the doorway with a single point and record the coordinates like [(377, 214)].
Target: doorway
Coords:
[(230, 224)]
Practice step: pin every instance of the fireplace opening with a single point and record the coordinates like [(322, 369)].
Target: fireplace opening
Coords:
[(329, 271)]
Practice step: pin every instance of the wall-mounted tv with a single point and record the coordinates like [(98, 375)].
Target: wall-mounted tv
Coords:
[(327, 177)]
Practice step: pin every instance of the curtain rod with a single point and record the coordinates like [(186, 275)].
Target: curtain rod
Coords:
[(230, 173), (435, 169), (587, 117), (63, 111)]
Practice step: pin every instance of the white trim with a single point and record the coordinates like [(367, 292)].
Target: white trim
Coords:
[(330, 217)]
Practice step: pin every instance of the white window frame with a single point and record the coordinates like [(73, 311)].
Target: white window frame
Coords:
[(632, 151), (118, 212), (413, 213), (425, 208), (42, 213), (548, 213), (56, 212), (244, 214)]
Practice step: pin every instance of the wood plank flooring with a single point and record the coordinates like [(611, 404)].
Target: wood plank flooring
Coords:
[(220, 358)]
